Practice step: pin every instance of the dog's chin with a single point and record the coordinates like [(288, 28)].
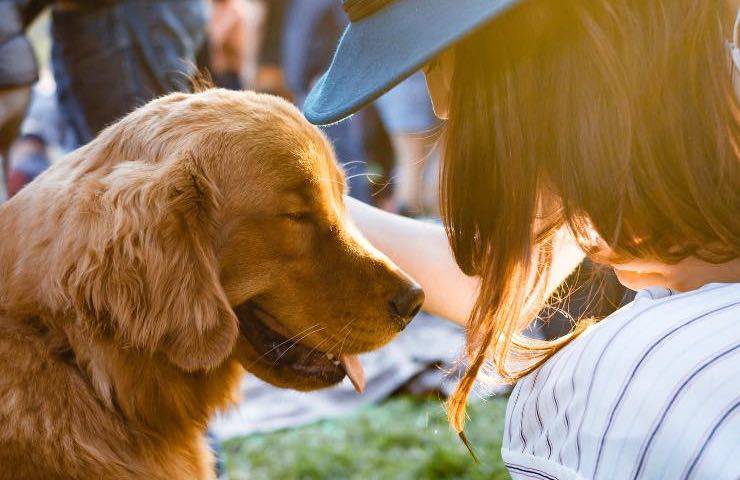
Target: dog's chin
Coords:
[(279, 360)]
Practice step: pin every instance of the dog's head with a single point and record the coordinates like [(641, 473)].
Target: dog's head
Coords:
[(214, 226)]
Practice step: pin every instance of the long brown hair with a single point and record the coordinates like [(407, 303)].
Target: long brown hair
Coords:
[(608, 116)]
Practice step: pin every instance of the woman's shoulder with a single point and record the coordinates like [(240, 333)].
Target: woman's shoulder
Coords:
[(655, 377), (659, 318)]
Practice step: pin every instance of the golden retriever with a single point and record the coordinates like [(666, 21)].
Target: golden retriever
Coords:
[(200, 236)]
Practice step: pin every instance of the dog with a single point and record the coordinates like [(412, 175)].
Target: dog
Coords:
[(201, 236)]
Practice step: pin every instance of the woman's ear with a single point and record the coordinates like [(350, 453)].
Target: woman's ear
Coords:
[(149, 275), (439, 73)]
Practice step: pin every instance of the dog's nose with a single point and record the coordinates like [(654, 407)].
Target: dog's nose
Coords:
[(406, 304)]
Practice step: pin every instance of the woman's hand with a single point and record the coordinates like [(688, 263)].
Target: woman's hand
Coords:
[(421, 249)]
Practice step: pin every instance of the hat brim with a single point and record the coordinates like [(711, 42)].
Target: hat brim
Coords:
[(378, 52)]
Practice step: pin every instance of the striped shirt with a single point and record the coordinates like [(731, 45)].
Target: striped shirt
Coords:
[(651, 392)]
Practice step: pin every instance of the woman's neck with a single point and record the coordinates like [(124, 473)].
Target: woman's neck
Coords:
[(688, 274)]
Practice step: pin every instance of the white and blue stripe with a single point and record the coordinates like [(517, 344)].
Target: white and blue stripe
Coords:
[(651, 392)]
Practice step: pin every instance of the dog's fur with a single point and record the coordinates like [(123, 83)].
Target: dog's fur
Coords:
[(121, 266)]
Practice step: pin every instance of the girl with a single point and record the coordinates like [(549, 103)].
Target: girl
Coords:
[(607, 128)]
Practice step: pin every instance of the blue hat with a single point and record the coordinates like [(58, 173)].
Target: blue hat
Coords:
[(385, 42)]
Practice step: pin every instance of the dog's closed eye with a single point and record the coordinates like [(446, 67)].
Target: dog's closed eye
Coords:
[(301, 217)]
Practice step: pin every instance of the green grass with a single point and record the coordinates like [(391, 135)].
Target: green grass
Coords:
[(401, 439)]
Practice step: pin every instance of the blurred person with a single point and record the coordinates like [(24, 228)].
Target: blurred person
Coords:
[(408, 118), (310, 30), (599, 128), (18, 71), (44, 136), (44, 118), (256, 20), (380, 158), (233, 42), (269, 77), (110, 56), (29, 157)]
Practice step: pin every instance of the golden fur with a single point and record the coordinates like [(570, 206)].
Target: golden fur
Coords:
[(121, 268)]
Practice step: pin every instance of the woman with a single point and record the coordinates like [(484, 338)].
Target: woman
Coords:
[(600, 127)]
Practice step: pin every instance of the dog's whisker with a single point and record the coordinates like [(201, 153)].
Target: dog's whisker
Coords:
[(315, 326), (319, 346), (353, 162), (336, 337), (341, 346), (341, 330), (294, 342), (295, 338), (382, 189), (369, 176)]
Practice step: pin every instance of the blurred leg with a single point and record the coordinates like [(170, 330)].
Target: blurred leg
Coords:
[(407, 115), (13, 105), (412, 152)]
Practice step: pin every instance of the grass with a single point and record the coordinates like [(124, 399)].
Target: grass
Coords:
[(401, 439)]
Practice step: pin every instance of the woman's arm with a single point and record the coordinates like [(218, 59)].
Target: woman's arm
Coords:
[(421, 249)]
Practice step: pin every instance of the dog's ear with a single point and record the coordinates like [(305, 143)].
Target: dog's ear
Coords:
[(149, 275)]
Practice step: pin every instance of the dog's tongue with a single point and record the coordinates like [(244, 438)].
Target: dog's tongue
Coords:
[(355, 372)]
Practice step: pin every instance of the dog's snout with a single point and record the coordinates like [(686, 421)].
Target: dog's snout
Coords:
[(406, 304)]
